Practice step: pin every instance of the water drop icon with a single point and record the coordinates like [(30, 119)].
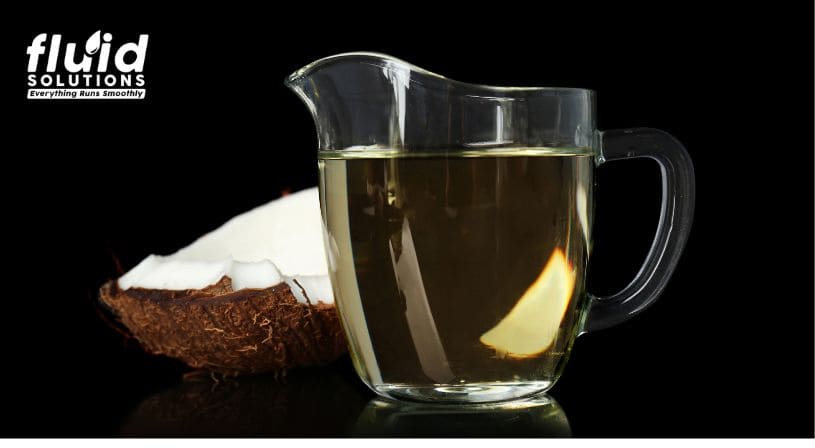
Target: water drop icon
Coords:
[(92, 45)]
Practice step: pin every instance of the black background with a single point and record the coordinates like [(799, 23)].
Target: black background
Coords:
[(728, 349)]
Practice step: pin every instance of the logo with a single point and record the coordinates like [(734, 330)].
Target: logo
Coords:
[(102, 69)]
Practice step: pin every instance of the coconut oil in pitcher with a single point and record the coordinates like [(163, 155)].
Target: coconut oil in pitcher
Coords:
[(461, 271)]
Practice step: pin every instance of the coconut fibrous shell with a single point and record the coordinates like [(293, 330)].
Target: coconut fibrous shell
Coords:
[(251, 296), (230, 332)]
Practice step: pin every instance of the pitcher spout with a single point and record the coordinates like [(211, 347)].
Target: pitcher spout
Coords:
[(357, 100)]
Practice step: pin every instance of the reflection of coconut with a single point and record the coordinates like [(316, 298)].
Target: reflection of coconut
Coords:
[(252, 296), (533, 324), (311, 402)]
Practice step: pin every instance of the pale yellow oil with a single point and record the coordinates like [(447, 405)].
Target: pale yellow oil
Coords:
[(428, 254)]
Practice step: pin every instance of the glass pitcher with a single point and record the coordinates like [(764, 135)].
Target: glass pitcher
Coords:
[(458, 225)]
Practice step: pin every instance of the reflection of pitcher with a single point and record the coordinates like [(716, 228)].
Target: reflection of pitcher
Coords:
[(540, 416), (458, 225)]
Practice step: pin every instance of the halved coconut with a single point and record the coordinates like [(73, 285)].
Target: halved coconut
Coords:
[(252, 296)]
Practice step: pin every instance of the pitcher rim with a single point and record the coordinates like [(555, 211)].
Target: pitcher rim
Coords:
[(301, 73)]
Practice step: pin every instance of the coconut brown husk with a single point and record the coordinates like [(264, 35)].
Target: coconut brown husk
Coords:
[(230, 332)]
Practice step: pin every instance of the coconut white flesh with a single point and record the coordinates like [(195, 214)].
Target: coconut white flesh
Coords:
[(276, 242)]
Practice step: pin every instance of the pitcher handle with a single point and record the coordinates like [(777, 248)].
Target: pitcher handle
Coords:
[(676, 215)]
